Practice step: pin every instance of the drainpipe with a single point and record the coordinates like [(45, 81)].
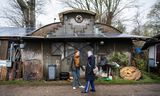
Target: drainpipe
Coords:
[(11, 52)]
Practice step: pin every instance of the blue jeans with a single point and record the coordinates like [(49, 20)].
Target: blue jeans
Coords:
[(76, 76), (88, 83)]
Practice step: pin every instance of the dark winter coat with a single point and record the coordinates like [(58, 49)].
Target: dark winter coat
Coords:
[(103, 61), (89, 74)]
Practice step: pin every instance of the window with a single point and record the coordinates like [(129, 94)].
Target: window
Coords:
[(57, 48)]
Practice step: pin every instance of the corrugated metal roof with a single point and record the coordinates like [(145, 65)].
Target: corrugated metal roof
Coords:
[(152, 41), (105, 35), (127, 36), (81, 36), (12, 31)]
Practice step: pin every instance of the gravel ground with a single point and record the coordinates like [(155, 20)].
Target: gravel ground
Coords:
[(66, 90)]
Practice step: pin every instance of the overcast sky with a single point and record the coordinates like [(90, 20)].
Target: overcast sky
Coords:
[(51, 11), (55, 7)]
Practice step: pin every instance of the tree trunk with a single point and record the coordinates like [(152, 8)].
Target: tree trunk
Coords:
[(32, 14), (25, 11), (28, 9), (109, 18)]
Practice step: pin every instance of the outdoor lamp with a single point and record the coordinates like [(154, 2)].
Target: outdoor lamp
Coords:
[(102, 42), (22, 44)]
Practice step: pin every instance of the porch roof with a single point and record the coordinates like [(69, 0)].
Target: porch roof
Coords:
[(89, 36), (151, 42), (78, 37), (157, 36)]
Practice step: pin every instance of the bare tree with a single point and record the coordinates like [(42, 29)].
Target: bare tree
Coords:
[(106, 10), (14, 15), (28, 10), (140, 28), (115, 7), (137, 23), (121, 27), (154, 18), (22, 13)]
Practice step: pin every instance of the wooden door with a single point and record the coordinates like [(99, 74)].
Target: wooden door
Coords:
[(158, 58), (55, 59)]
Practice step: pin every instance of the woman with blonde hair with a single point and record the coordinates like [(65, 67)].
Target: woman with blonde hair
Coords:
[(75, 68)]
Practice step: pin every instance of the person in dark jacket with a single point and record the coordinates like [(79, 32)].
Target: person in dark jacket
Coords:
[(102, 64), (89, 74)]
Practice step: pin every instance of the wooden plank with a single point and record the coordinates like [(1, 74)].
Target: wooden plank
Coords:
[(4, 49), (19, 70), (12, 71), (3, 73)]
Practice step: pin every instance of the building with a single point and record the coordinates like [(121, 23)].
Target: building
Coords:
[(54, 44), (153, 47), (10, 54)]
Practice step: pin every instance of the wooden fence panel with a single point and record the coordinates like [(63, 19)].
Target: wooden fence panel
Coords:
[(32, 70)]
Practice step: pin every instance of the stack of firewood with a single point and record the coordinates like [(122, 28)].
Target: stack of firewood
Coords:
[(130, 73)]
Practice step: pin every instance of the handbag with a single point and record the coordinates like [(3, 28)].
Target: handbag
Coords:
[(95, 70)]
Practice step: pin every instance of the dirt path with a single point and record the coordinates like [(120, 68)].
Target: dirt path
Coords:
[(66, 90)]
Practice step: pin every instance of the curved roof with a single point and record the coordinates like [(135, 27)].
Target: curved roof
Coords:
[(75, 11), (107, 28), (44, 30), (97, 30)]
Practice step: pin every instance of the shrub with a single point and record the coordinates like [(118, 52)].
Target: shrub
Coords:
[(119, 57)]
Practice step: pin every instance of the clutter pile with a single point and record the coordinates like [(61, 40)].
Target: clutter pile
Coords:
[(106, 74)]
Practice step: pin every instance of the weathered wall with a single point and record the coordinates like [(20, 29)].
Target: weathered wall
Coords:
[(32, 58), (50, 58), (116, 45), (32, 50), (60, 53)]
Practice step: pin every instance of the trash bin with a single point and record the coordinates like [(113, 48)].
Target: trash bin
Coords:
[(52, 72)]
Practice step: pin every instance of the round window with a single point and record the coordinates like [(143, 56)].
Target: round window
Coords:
[(79, 18)]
